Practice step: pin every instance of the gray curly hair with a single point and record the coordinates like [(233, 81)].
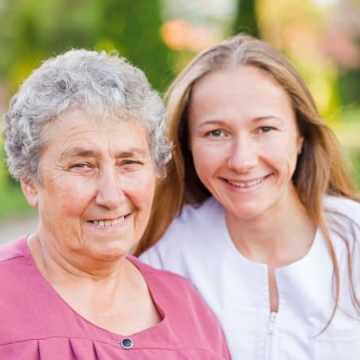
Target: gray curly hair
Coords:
[(82, 79)]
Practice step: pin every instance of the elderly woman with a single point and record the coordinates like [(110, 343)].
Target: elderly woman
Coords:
[(258, 210), (84, 136)]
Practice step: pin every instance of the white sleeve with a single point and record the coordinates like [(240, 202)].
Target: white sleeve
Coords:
[(356, 255)]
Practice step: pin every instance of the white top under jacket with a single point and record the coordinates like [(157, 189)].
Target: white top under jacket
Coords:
[(197, 245)]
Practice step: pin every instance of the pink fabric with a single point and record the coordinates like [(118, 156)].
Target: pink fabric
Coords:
[(36, 324)]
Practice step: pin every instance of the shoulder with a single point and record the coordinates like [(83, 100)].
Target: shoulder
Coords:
[(170, 285), (191, 234), (162, 276), (343, 218), (192, 222), (16, 274), (17, 285), (175, 297), (203, 213), (195, 217), (167, 286), (14, 267), (342, 203), (338, 206), (11, 252)]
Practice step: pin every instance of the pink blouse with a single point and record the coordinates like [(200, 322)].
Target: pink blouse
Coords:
[(37, 324)]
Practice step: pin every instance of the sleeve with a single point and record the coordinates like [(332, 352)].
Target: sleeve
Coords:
[(356, 258)]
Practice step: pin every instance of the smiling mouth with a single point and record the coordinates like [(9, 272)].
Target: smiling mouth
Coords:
[(108, 223), (246, 184)]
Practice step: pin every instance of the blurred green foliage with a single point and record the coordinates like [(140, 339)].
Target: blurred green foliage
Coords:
[(349, 86), (133, 27), (245, 18), (33, 30), (12, 200), (355, 160)]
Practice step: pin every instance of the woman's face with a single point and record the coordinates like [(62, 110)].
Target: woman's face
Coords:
[(96, 185), (244, 140)]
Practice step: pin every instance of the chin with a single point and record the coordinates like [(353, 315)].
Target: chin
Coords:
[(247, 216), (248, 213), (112, 251)]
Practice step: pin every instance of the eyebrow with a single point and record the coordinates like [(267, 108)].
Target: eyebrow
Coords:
[(78, 152), (256, 119), (89, 153), (267, 117)]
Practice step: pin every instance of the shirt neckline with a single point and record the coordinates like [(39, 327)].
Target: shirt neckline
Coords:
[(114, 336)]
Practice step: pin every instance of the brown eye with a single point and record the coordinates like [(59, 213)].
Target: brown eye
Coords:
[(81, 165), (216, 133), (131, 162), (266, 129)]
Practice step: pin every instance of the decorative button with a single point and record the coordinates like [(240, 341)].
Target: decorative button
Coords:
[(126, 343)]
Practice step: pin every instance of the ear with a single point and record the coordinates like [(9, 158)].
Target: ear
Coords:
[(30, 191), (300, 144)]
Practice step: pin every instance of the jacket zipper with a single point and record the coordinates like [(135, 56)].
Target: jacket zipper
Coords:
[(270, 333)]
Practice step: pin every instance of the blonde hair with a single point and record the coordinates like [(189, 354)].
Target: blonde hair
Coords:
[(320, 169)]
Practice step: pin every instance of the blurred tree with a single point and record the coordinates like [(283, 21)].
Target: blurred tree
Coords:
[(133, 27), (343, 46), (349, 86), (245, 18), (296, 27), (33, 30)]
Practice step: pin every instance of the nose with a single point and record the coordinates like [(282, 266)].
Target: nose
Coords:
[(243, 154), (110, 192)]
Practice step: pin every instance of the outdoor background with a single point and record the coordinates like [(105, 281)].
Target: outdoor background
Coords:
[(321, 37)]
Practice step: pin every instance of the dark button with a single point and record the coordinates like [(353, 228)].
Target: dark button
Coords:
[(127, 343)]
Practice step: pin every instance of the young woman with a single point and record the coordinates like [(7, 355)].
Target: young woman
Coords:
[(257, 209)]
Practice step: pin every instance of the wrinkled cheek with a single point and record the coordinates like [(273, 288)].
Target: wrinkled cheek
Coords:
[(73, 205), (70, 197), (141, 192), (63, 222)]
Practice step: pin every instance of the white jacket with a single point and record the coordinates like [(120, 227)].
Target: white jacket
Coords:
[(197, 245)]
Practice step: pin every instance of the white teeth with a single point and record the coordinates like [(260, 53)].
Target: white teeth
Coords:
[(109, 223), (246, 184)]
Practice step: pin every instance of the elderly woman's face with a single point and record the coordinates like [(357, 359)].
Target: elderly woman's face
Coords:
[(96, 187)]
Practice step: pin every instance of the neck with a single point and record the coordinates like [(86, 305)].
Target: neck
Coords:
[(114, 297), (279, 236)]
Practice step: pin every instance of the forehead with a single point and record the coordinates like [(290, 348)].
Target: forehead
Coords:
[(78, 129), (243, 88)]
